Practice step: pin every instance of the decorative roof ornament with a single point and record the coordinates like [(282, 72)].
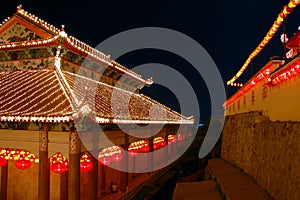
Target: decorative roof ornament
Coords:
[(284, 38), (19, 7)]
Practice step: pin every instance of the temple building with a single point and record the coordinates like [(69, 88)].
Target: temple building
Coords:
[(55, 92), (277, 83)]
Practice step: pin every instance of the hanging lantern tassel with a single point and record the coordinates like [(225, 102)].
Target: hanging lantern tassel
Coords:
[(86, 163)]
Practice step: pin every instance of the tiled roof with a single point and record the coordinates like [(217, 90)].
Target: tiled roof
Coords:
[(68, 42), (54, 96), (115, 105), (32, 96), (46, 96)]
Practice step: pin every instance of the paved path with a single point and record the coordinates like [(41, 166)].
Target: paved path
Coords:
[(135, 182), (234, 183), (205, 190)]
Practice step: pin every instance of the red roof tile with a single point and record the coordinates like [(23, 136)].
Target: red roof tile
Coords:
[(32, 94), (59, 96)]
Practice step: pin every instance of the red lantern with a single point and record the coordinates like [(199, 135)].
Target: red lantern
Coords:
[(86, 163), (117, 157), (58, 167), (155, 146), (3, 162), (180, 138), (105, 160), (171, 139), (59, 163), (86, 166), (133, 152), (145, 149), (22, 164)]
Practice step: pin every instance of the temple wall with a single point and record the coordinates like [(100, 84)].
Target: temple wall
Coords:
[(268, 151), (22, 184), (278, 102)]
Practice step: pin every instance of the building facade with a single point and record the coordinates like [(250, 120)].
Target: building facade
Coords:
[(274, 90), (56, 94)]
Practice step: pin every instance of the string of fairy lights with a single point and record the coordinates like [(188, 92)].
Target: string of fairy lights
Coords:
[(287, 9), (139, 106)]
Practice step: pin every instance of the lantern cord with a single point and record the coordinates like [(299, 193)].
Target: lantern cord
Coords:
[(277, 23), (284, 38)]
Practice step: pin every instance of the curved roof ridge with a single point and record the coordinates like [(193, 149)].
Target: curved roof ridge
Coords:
[(28, 43), (179, 117), (37, 20), (79, 45)]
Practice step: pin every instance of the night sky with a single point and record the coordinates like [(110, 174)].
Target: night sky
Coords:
[(228, 30)]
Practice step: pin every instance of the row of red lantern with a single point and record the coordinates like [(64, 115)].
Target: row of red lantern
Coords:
[(285, 74), (20, 164), (261, 75), (23, 159), (17, 154), (114, 153), (59, 163), (109, 154)]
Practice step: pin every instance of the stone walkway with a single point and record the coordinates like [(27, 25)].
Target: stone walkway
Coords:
[(234, 183), (205, 190), (135, 182)]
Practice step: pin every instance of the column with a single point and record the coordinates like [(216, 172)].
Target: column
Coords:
[(150, 155), (94, 173), (74, 165), (44, 165), (102, 175), (166, 147), (4, 176), (64, 186), (124, 175)]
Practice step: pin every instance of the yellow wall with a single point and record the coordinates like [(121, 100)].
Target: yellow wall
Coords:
[(22, 184), (280, 104)]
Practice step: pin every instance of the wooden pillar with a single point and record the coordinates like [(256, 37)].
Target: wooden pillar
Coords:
[(74, 165), (94, 172), (44, 165), (124, 175), (93, 175), (166, 147), (150, 154), (4, 176), (102, 175), (64, 186)]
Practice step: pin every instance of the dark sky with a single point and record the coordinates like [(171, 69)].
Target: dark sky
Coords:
[(228, 30)]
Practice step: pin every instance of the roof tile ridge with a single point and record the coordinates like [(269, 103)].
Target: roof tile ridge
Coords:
[(95, 53), (28, 43), (64, 85), (167, 108), (36, 20)]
